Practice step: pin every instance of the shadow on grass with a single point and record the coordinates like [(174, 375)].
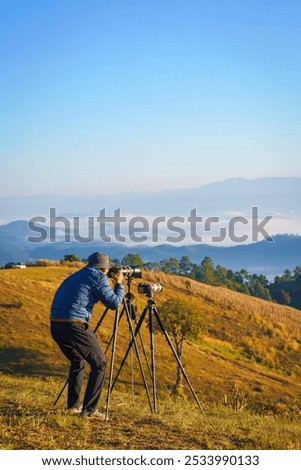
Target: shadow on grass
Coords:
[(17, 360), (9, 306)]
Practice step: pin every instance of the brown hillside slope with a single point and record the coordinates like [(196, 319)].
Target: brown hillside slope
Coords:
[(250, 344)]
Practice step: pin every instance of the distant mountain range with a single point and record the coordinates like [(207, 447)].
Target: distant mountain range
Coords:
[(269, 258), (275, 197)]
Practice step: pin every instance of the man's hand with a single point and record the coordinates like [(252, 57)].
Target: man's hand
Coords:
[(118, 277)]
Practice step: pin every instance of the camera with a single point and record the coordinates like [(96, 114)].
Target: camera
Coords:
[(149, 289), (127, 271)]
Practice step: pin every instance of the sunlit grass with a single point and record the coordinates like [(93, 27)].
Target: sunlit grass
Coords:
[(250, 344), (29, 421)]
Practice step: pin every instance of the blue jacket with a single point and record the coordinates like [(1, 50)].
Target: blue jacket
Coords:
[(78, 293)]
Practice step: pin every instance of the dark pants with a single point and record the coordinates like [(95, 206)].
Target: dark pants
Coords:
[(79, 344)]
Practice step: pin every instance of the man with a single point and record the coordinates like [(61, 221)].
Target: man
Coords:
[(71, 310)]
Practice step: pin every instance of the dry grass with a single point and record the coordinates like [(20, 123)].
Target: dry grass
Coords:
[(250, 344), (28, 421), (241, 326), (227, 299)]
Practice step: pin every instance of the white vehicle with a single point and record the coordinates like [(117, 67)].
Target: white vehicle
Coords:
[(21, 265), (15, 265)]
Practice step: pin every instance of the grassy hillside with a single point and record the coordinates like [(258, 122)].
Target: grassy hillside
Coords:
[(28, 421), (247, 365)]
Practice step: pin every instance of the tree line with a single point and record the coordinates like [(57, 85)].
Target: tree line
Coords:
[(285, 289)]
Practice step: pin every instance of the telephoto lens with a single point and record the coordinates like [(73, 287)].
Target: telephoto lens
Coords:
[(149, 289), (128, 271)]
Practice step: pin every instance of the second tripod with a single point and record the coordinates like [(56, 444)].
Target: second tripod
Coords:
[(151, 311)]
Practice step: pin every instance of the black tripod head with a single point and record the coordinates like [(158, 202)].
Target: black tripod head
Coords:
[(129, 299)]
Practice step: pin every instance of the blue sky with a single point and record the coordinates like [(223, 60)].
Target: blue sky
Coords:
[(111, 96)]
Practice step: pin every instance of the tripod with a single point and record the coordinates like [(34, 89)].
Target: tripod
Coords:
[(153, 312)]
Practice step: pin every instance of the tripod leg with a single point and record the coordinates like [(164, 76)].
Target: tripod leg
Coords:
[(133, 341), (177, 359), (111, 339), (132, 374), (112, 363), (152, 349), (145, 355), (133, 336), (61, 392), (100, 320), (129, 347)]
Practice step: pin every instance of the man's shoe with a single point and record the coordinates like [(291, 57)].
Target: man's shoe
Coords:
[(93, 414), (75, 410)]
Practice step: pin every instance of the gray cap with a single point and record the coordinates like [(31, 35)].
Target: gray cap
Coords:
[(100, 260)]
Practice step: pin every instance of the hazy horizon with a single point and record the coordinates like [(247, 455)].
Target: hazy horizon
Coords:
[(229, 201), (150, 191)]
